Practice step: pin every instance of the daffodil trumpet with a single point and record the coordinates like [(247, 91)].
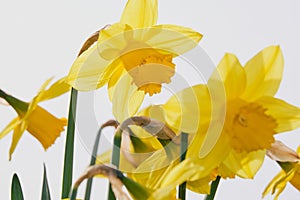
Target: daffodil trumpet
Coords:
[(134, 53), (37, 121)]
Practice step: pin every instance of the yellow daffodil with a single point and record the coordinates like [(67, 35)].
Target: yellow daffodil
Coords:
[(236, 117), (37, 121), (134, 46), (290, 173)]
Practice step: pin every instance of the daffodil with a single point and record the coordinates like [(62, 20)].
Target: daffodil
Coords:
[(37, 121), (137, 47), (289, 174), (232, 119)]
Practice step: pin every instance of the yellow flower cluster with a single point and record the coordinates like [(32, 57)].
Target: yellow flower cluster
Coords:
[(231, 121)]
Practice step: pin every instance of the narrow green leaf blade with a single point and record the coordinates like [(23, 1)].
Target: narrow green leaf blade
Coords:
[(45, 190), (93, 161), (16, 189), (69, 148)]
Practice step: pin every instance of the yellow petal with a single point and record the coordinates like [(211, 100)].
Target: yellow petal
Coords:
[(215, 156), (245, 164), (85, 73), (112, 39), (188, 108), (126, 99), (201, 186), (140, 13), (286, 115), (12, 125), (18, 132), (278, 184), (264, 73), (150, 172), (56, 89), (104, 158), (273, 182), (229, 76), (173, 39), (119, 72)]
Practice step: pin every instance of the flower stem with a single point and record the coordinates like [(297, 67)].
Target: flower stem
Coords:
[(93, 161), (69, 148), (115, 160), (183, 149), (213, 189)]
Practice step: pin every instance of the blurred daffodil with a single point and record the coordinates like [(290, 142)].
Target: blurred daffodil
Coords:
[(290, 170), (37, 121), (134, 46)]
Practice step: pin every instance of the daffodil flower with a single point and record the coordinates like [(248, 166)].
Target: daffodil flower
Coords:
[(289, 174), (134, 46), (37, 121), (233, 119)]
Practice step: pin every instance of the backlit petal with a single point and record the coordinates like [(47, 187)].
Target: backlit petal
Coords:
[(188, 108), (126, 99), (173, 39), (18, 132), (11, 126), (286, 115), (264, 73), (140, 13), (86, 71), (245, 164), (229, 76), (56, 89)]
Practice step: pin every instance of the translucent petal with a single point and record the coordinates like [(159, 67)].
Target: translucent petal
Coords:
[(56, 89), (126, 99), (264, 73), (187, 109), (85, 73), (229, 76), (12, 125), (245, 164), (18, 132), (286, 115), (217, 154), (140, 13), (173, 39)]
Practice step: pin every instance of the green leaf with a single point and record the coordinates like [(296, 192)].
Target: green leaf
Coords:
[(93, 161), (213, 189), (183, 149), (45, 190), (69, 148), (16, 189), (136, 190), (115, 160)]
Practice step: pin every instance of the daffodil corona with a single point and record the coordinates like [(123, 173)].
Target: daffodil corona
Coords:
[(37, 121), (136, 47), (236, 117)]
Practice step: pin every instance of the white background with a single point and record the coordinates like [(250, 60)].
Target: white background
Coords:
[(40, 39)]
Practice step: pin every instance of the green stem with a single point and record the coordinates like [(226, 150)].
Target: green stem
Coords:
[(73, 194), (183, 149), (213, 189), (115, 160), (2, 94), (93, 161), (69, 148)]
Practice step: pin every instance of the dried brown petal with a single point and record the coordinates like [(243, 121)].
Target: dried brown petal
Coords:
[(281, 152), (152, 126)]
